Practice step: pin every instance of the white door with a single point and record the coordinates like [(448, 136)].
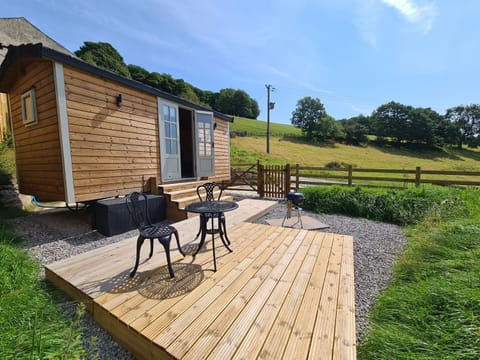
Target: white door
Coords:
[(169, 140), (204, 139)]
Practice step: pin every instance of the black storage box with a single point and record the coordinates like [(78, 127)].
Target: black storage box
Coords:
[(112, 216)]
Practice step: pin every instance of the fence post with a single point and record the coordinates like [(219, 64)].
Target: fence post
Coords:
[(350, 175), (297, 177), (287, 180), (260, 180), (418, 174)]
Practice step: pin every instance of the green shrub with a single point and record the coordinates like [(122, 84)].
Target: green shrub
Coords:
[(403, 206)]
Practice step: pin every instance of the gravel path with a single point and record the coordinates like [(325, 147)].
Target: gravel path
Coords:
[(57, 234)]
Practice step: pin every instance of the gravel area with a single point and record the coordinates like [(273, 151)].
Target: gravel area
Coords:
[(53, 235)]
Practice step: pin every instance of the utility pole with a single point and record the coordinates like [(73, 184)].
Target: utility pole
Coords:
[(270, 106)]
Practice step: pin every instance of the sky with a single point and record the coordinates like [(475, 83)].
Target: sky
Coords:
[(353, 55)]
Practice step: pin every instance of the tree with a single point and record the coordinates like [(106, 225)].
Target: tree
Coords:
[(236, 102), (391, 120), (440, 130), (229, 101), (356, 129), (308, 113), (254, 109), (103, 55), (406, 124), (467, 122), (138, 73), (327, 128)]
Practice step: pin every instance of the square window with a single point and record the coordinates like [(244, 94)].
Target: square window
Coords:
[(29, 108)]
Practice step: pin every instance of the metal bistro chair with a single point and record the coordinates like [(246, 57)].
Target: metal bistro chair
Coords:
[(137, 205), (206, 192)]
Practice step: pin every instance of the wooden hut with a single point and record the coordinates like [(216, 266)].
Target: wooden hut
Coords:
[(82, 133), (17, 31)]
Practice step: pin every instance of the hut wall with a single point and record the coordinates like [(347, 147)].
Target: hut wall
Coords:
[(222, 150), (37, 146), (4, 116), (114, 149)]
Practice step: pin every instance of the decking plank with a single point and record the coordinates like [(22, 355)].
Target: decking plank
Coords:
[(253, 341), (236, 296), (282, 293), (181, 305), (231, 339), (299, 340), (323, 335), (345, 325), (271, 330), (136, 311), (219, 296), (186, 309)]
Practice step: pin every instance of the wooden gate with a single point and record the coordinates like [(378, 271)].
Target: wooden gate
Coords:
[(244, 177), (273, 181)]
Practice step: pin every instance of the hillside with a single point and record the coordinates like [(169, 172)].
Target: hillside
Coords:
[(287, 146)]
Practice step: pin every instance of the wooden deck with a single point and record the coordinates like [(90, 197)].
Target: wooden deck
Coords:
[(281, 294)]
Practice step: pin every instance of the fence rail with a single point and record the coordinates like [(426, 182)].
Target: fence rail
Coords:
[(275, 181)]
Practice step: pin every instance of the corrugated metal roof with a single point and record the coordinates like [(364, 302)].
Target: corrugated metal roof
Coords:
[(18, 31)]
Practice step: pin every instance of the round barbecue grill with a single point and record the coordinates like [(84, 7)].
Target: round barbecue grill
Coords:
[(294, 201)]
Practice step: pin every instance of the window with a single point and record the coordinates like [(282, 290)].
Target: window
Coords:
[(170, 124), (29, 108)]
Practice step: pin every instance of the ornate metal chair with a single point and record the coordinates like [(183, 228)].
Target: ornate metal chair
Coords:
[(137, 205), (208, 192)]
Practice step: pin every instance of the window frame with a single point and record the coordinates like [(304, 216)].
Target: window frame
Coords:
[(29, 108)]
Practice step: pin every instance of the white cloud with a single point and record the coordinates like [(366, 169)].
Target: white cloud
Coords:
[(421, 15)]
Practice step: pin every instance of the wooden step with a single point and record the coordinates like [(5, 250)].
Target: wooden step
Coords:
[(179, 195), (169, 187)]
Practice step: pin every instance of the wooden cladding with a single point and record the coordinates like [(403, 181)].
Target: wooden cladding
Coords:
[(4, 118), (116, 146), (222, 151), (112, 148), (37, 146)]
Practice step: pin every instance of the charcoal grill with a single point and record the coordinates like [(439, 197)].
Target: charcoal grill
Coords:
[(294, 202)]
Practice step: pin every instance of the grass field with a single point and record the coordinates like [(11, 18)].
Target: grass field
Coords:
[(286, 146), (430, 308), (32, 318)]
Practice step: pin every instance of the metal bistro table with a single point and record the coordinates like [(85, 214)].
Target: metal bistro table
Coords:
[(212, 210)]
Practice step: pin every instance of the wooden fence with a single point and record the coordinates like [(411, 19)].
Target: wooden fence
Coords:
[(4, 116), (275, 181)]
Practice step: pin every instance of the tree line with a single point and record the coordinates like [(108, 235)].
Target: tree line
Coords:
[(391, 123), (229, 101)]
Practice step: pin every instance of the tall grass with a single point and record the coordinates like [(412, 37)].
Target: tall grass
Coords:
[(431, 309), (32, 322), (7, 159)]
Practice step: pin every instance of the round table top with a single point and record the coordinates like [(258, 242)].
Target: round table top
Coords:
[(211, 206)]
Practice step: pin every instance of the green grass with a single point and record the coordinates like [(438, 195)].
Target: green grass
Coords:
[(259, 128), (287, 146), (7, 161), (431, 309), (32, 322)]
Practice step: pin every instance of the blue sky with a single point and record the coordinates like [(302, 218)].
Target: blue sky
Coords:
[(354, 55)]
